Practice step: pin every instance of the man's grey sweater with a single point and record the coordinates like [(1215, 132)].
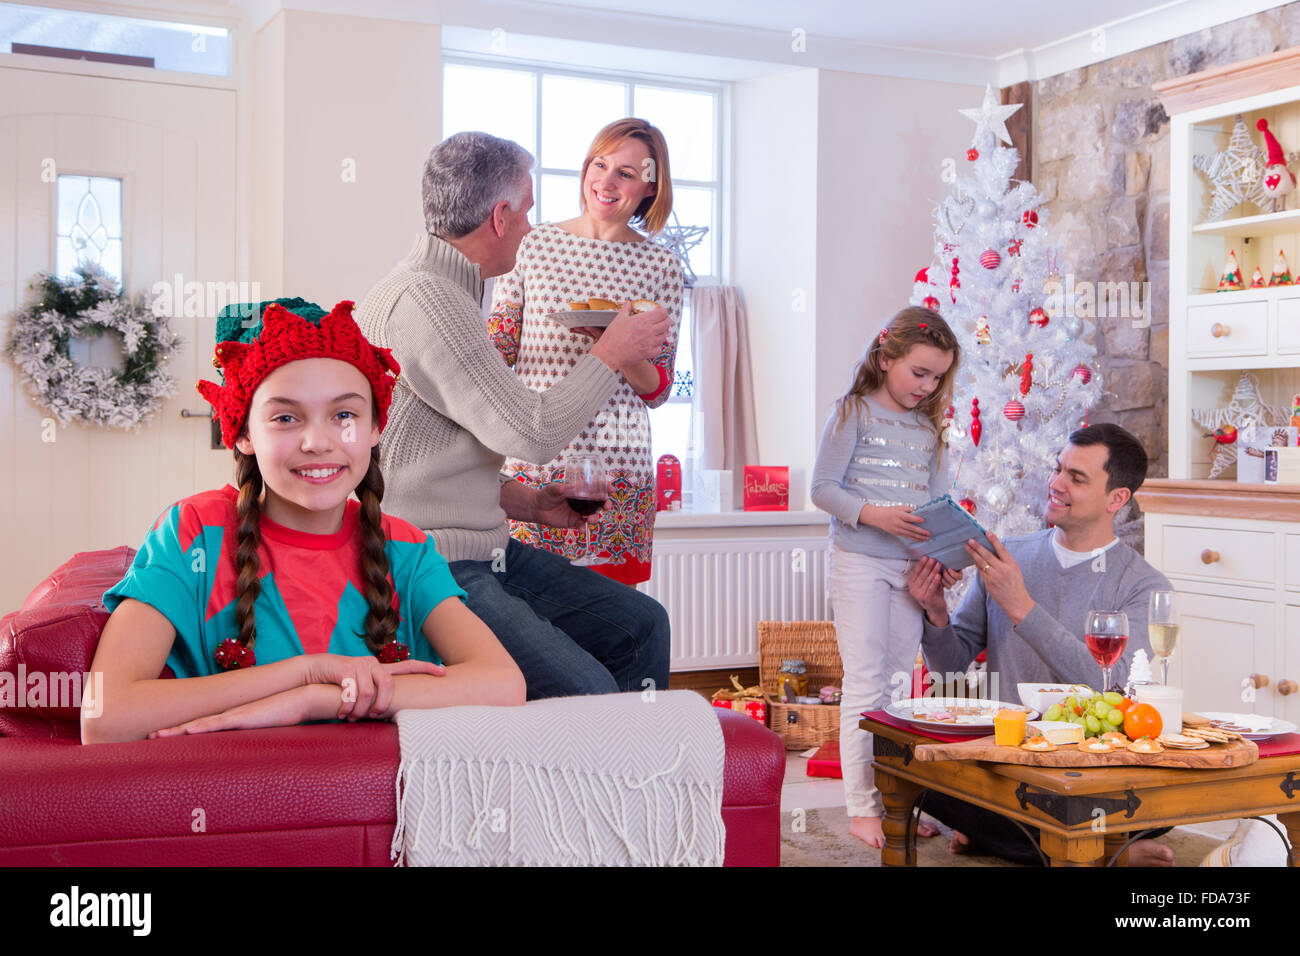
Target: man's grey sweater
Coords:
[(458, 410), (1048, 644)]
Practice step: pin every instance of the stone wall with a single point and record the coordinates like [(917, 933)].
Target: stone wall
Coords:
[(1101, 162)]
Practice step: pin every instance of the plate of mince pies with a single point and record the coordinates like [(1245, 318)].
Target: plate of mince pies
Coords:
[(596, 312)]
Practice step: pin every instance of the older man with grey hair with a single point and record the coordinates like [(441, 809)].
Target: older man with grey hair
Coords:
[(458, 411)]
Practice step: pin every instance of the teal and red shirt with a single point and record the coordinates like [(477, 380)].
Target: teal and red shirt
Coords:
[(313, 592)]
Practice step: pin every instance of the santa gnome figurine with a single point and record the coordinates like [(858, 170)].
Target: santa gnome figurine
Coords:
[(1281, 271), (1230, 279), (1278, 180)]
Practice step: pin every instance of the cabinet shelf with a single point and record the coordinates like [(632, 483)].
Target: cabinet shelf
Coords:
[(1245, 227)]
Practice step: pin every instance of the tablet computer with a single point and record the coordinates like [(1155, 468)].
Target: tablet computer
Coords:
[(950, 527)]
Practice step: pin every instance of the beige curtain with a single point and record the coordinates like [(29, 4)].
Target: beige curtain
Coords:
[(725, 432)]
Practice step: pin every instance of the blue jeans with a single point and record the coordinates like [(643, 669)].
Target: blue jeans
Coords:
[(570, 630)]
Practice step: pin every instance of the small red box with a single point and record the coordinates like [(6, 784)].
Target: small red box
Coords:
[(767, 488), (826, 761), (754, 708)]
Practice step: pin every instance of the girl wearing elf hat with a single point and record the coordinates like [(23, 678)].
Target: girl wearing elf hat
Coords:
[(349, 612)]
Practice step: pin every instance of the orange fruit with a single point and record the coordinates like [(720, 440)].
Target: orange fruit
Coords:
[(1124, 705), (1142, 720)]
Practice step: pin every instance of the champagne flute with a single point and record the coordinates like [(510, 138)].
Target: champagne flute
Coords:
[(584, 490), (1162, 628), (1106, 634)]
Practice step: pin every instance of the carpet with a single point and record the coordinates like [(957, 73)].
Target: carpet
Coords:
[(825, 841)]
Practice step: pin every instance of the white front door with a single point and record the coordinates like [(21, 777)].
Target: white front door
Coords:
[(174, 148)]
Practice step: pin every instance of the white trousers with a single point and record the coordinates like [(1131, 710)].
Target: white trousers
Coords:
[(878, 628)]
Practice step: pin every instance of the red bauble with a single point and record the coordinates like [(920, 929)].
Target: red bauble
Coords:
[(1014, 410), (1030, 218), (922, 275), (972, 154), (1038, 318), (1082, 371), (990, 259), (976, 427), (968, 505), (931, 303)]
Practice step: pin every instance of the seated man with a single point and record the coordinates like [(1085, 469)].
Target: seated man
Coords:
[(1028, 604), (458, 411)]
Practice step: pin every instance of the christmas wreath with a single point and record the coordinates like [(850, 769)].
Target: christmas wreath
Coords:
[(88, 305)]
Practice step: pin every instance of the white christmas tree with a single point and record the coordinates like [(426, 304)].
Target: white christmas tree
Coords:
[(1028, 375)]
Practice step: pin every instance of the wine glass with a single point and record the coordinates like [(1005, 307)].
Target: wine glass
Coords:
[(584, 490), (1162, 629), (1106, 634)]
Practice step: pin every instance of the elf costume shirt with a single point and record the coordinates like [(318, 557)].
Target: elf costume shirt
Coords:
[(312, 597)]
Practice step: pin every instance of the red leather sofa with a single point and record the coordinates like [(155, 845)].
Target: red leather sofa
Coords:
[(320, 795)]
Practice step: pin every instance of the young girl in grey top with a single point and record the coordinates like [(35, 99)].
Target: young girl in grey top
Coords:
[(879, 458)]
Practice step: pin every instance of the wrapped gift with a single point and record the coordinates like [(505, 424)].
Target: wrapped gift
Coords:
[(826, 761), (1252, 440), (746, 700), (767, 488)]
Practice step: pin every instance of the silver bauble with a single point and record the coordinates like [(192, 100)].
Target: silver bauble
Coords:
[(986, 209), (998, 498), (1073, 325)]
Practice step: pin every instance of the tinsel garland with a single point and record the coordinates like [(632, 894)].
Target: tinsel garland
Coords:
[(61, 310)]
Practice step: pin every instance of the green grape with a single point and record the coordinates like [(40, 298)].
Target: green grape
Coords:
[(1109, 727), (1054, 712), (1112, 698), (1093, 725)]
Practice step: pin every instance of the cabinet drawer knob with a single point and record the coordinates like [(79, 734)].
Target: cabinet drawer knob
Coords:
[(1285, 687), (1259, 680), (1209, 557), (1220, 331)]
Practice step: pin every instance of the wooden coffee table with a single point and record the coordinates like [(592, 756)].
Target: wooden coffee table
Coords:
[(1064, 803)]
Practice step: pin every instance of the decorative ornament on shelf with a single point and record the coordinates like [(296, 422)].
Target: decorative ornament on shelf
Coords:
[(1257, 280), (990, 259), (1245, 408), (1014, 410), (1278, 180), (1236, 174), (1230, 278), (1083, 373), (976, 429), (1038, 318), (62, 310), (1281, 271), (1027, 374), (680, 240)]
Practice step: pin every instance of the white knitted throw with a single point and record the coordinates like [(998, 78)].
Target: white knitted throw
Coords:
[(614, 779)]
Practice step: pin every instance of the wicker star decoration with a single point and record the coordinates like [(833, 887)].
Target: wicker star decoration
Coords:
[(1237, 174), (680, 240), (1246, 408)]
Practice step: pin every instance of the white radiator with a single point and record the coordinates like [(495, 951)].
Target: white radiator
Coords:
[(717, 590)]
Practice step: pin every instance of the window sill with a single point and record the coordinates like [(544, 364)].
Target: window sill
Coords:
[(740, 519)]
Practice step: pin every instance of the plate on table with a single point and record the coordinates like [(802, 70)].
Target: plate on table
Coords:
[(953, 715), (597, 318), (1250, 726)]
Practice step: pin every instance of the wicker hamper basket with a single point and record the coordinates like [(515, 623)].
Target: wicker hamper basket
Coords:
[(800, 725)]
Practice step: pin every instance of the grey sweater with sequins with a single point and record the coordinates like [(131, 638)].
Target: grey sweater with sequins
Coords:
[(877, 456)]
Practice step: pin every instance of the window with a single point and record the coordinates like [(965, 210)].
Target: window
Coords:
[(75, 35), (554, 114), (88, 224)]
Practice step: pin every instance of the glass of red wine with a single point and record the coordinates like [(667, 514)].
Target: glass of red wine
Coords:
[(1106, 634), (584, 490)]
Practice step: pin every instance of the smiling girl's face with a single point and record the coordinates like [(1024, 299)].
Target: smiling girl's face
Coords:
[(616, 182), (311, 427)]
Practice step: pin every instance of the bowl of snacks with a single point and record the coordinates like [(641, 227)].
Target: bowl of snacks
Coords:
[(1040, 696)]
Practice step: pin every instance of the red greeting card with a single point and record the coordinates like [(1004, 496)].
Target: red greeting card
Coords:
[(767, 488)]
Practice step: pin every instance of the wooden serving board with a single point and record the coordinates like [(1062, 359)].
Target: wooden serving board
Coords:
[(1238, 753)]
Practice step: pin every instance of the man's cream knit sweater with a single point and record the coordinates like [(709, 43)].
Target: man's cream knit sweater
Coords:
[(458, 410)]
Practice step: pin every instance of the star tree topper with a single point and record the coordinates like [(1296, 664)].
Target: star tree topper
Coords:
[(991, 118), (1246, 408)]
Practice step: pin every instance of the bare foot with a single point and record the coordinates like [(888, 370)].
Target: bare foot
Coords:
[(960, 843), (926, 829), (1150, 853), (868, 830)]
